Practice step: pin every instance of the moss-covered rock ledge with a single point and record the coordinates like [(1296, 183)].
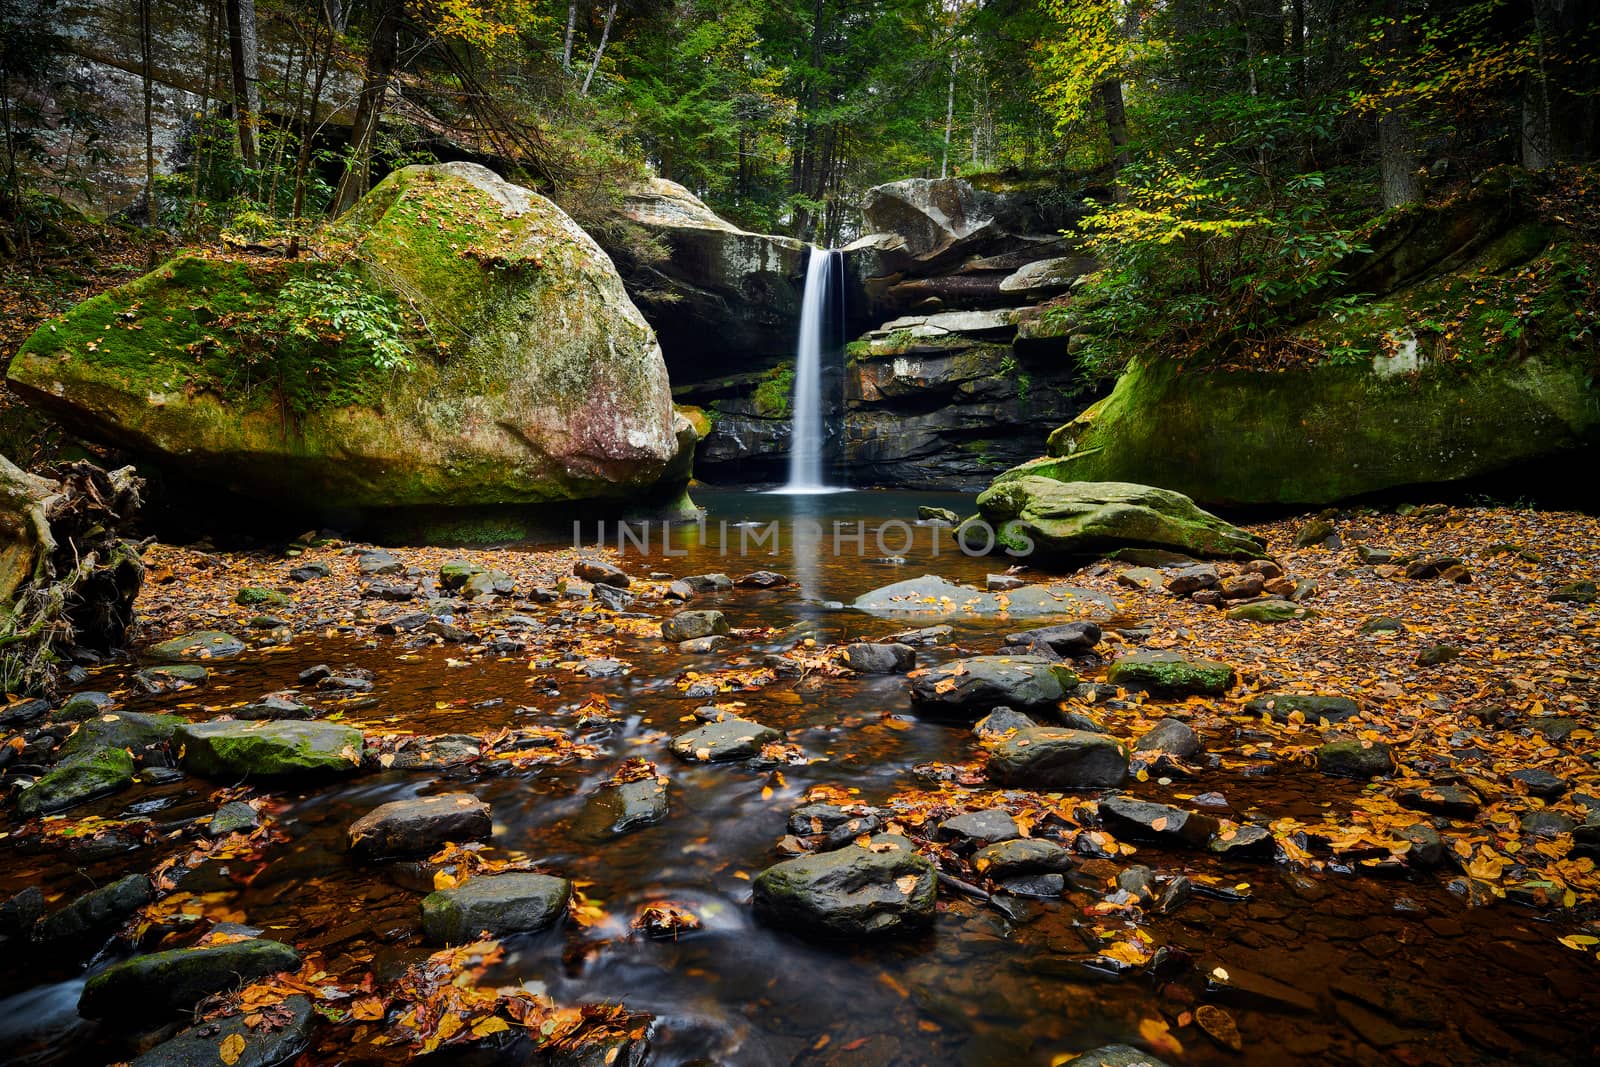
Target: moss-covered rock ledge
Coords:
[(454, 340)]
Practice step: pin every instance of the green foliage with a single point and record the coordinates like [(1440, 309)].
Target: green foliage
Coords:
[(775, 394)]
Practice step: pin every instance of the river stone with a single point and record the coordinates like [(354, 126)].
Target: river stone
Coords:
[(1244, 842), (130, 730), (610, 597), (1141, 820), (1114, 1056), (878, 890), (95, 775), (453, 574), (511, 903), (80, 706), (1171, 736), (1270, 610), (1540, 782), (1170, 674), (1355, 759), (1021, 855), (268, 749), (1427, 847), (1001, 720), (147, 988), (636, 804), (1063, 518), (275, 707), (688, 625), (236, 816), (264, 1046), (191, 648), (980, 827), (1067, 639), (554, 387), (868, 657), (408, 827), (1312, 708), (488, 583), (940, 598), (716, 582), (726, 739), (1053, 759), (987, 681), (601, 572), (1452, 801), (97, 911)]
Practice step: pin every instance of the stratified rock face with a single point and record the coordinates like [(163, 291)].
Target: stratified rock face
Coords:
[(1077, 518), (930, 215), (722, 294), (534, 380)]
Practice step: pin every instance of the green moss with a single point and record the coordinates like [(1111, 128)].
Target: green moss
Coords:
[(774, 395), (1171, 674), (252, 596), (92, 776)]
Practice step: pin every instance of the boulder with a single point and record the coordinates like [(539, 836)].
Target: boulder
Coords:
[(1019, 856), (268, 749), (725, 739), (236, 816), (940, 598), (987, 681), (263, 1046), (689, 625), (1141, 820), (1001, 721), (879, 889), (409, 827), (195, 648), (1053, 759), (632, 805), (868, 657), (106, 771), (134, 731), (164, 982), (511, 903), (1034, 514), (980, 827), (1172, 737), (1355, 759), (530, 376), (1170, 674), (97, 912), (1068, 639)]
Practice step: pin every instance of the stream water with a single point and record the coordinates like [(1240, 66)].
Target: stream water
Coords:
[(1352, 970)]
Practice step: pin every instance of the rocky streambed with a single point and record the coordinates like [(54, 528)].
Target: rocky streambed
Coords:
[(369, 805)]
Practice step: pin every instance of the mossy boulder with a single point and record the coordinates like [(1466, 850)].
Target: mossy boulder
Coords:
[(1050, 518), (1170, 674), (194, 647), (511, 903), (528, 375), (145, 987), (96, 775), (881, 889), (268, 749)]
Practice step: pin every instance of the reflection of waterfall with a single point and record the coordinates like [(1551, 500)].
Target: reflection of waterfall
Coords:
[(817, 312)]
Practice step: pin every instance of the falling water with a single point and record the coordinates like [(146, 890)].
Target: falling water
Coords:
[(808, 432)]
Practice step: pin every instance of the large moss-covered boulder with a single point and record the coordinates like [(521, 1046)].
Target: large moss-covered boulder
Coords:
[(879, 889), (268, 749), (521, 372), (1087, 518), (144, 987)]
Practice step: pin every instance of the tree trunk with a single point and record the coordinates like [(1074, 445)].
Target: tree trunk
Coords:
[(566, 47), (1117, 129), (1537, 150), (949, 119), (243, 58), (149, 122), (600, 50), (1397, 139), (369, 108), (308, 131)]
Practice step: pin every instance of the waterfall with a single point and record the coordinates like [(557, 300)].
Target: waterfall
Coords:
[(817, 327)]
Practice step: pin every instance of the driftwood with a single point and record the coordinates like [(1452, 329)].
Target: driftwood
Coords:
[(68, 576)]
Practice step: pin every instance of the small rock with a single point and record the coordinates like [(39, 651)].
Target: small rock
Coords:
[(501, 904), (1427, 847), (1171, 736), (700, 646), (1547, 823), (1191, 580), (601, 572), (1268, 611), (1453, 801), (762, 580), (1068, 639), (1140, 578), (1000, 721), (725, 739), (1002, 583), (80, 706), (190, 648), (1282, 707), (1242, 586), (379, 562), (1169, 673), (97, 912), (987, 681), (230, 750), (1315, 532), (409, 827), (866, 657), (1554, 727), (611, 598), (1055, 759), (1356, 759), (926, 513), (1140, 820), (1019, 856), (1382, 624), (980, 827), (255, 596), (708, 583), (274, 706), (1540, 782), (262, 1046), (1114, 1056), (308, 572), (234, 817), (1575, 593), (1434, 655), (1244, 842), (688, 625), (488, 583), (107, 771), (882, 889), (453, 574)]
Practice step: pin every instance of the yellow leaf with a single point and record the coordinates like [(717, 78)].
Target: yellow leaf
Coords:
[(906, 883), (492, 1025), (231, 1049)]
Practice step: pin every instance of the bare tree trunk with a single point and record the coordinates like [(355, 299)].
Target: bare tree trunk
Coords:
[(600, 50), (1116, 114), (1397, 139), (149, 122), (566, 47), (1537, 148), (369, 108), (949, 119), (243, 56)]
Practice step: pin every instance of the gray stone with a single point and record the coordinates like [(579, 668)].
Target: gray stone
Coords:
[(611, 598), (1022, 855), (881, 889), (264, 1046), (97, 912), (688, 625), (988, 681), (268, 749), (1053, 759), (153, 985), (80, 706), (1540, 782), (867, 657), (725, 739), (938, 597), (1115, 1056), (236, 816), (499, 904), (195, 647), (980, 827), (1140, 820), (1000, 721), (1355, 759), (1312, 709), (1067, 639), (275, 707), (1171, 736), (421, 825)]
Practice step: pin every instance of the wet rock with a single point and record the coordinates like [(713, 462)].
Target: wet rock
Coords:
[(1035, 886), (716, 582), (1236, 985), (1171, 736), (1554, 727), (701, 646), (635, 804), (80, 706), (256, 596), (679, 591), (1429, 567), (1141, 820), (1114, 1056), (501, 904), (488, 583), (136, 732), (925, 636), (926, 513), (762, 580), (195, 647), (1001, 720), (1244, 842), (1427, 847), (234, 817), (264, 1046), (1281, 707), (602, 668), (725, 739), (1540, 782), (601, 572), (347, 683), (97, 912), (882, 889), (1434, 655), (1210, 598), (1170, 674), (1382, 624), (21, 910), (980, 827), (1575, 593), (453, 574), (1140, 578), (1190, 580), (1268, 611), (1241, 586), (939, 597), (1547, 823), (1315, 532), (611, 598), (1068, 639), (987, 681), (1356, 759), (96, 775), (1052, 759), (867, 657), (23, 712), (1077, 720), (309, 572), (1453, 801), (396, 592), (268, 749), (688, 625), (1020, 856), (437, 753), (173, 981), (409, 827), (379, 562), (313, 675), (275, 707)]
